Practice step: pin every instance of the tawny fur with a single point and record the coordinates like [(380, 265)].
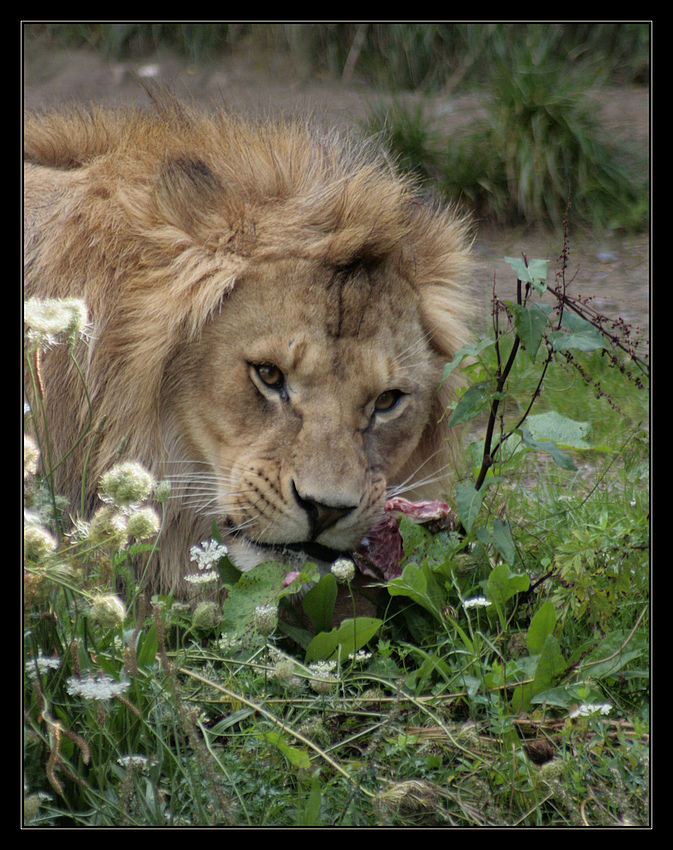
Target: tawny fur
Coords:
[(153, 216)]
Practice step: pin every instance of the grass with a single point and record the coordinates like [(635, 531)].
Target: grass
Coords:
[(506, 681), (539, 157)]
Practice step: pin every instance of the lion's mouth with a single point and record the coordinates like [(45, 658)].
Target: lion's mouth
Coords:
[(317, 551), (314, 551)]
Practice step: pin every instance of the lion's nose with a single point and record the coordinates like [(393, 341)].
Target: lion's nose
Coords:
[(321, 516)]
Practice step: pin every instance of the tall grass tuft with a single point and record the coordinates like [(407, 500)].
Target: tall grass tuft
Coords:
[(545, 136), (539, 155)]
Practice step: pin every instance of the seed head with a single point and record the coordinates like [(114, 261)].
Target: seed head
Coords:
[(265, 619), (48, 320), (143, 524), (108, 610), (343, 569), (37, 543), (126, 483)]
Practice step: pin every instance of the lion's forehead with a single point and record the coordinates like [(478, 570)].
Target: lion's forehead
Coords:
[(312, 356)]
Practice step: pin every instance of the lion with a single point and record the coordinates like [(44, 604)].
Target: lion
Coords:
[(272, 306)]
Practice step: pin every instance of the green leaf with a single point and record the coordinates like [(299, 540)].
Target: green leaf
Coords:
[(308, 814), (472, 351), (500, 537), (258, 586), (502, 540), (566, 433), (468, 502), (581, 334), (530, 323), (148, 645), (414, 584), (350, 636), (550, 664), (561, 458), (613, 653), (541, 626), (318, 604), (473, 401), (503, 584), (296, 757), (534, 273)]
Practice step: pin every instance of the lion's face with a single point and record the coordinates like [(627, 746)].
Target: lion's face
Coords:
[(301, 403), (271, 309)]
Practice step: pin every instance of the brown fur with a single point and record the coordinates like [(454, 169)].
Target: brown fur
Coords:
[(205, 245)]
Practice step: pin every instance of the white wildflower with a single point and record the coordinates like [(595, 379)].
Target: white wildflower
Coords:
[(207, 554), (134, 762), (162, 490), (284, 670), (43, 663), (202, 579), (360, 656), (108, 527), (99, 687), (476, 602), (206, 615), (587, 709), (322, 676), (32, 803)]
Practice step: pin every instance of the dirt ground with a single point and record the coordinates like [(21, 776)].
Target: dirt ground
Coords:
[(613, 268)]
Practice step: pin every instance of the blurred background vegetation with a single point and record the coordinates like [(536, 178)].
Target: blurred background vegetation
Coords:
[(397, 55), (539, 145)]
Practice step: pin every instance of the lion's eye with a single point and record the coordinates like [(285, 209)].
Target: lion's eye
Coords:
[(271, 376), (387, 400)]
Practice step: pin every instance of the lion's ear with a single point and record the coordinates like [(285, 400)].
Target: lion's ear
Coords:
[(187, 193)]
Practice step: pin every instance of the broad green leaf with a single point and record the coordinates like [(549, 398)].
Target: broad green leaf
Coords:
[(503, 584), (530, 323), (612, 653), (349, 637), (566, 433), (472, 351), (468, 502), (560, 457), (541, 626), (296, 757), (502, 540), (500, 537), (318, 604), (473, 401), (534, 273), (550, 664), (414, 584), (308, 814), (258, 586), (148, 644), (579, 334)]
